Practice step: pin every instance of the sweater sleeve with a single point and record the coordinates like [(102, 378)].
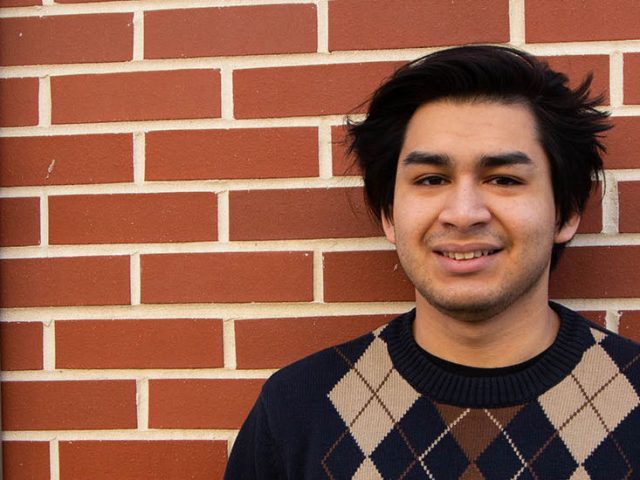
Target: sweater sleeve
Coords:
[(253, 456)]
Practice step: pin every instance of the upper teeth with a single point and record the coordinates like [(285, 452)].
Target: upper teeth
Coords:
[(466, 255)]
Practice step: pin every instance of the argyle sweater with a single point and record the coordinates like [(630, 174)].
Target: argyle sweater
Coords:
[(379, 407)]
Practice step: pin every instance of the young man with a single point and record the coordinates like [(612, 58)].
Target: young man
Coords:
[(478, 161)]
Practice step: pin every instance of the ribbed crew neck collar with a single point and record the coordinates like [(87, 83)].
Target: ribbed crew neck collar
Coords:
[(484, 390)]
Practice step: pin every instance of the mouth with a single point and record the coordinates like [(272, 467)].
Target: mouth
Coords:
[(469, 255)]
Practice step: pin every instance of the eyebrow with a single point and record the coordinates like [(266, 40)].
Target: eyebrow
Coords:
[(486, 161), (426, 158), (505, 159)]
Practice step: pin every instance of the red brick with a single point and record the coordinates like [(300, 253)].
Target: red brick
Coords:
[(630, 325), (623, 143), (114, 97), (372, 276), (581, 20), (303, 213), (227, 277), (235, 153), (143, 460), (276, 342), (201, 403), (19, 3), (597, 272), (21, 345), (66, 160), (343, 163), (307, 90), (54, 282), (629, 193), (250, 30), (631, 75), (18, 102), (107, 37), (173, 343), (378, 24), (19, 221), (577, 67), (25, 460), (598, 317), (591, 221), (133, 218), (77, 405)]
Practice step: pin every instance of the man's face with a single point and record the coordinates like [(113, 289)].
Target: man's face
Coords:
[(474, 219)]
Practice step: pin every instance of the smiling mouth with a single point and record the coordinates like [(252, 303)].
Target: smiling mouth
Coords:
[(468, 255)]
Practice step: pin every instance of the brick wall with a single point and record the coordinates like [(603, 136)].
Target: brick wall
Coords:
[(178, 219)]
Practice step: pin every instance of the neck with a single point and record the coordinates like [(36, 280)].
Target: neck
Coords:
[(513, 336)]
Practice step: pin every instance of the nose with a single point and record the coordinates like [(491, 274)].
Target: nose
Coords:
[(465, 207)]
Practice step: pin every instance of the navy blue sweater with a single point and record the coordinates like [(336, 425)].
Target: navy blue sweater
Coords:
[(379, 407)]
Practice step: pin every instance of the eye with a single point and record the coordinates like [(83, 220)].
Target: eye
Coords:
[(504, 181), (431, 180)]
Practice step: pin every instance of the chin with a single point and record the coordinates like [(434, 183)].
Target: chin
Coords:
[(467, 307)]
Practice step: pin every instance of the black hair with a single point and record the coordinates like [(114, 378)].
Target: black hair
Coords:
[(568, 123)]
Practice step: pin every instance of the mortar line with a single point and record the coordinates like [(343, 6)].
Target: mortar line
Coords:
[(616, 79), (239, 312), (44, 217), (44, 101), (49, 8), (134, 278), (517, 22), (610, 205), (318, 275), (217, 186), (230, 442), (138, 36), (49, 345), (54, 459), (139, 158), (277, 60), (142, 403), (612, 320), (229, 344), (325, 154), (322, 12), (226, 93), (223, 216), (119, 435)]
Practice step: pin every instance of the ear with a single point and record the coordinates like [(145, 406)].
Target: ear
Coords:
[(566, 232), (389, 229)]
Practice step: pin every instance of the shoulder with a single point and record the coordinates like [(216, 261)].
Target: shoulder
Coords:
[(318, 372), (609, 353)]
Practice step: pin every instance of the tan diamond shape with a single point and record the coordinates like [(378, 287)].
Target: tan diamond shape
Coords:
[(595, 369), (371, 427), (562, 401), (598, 336), (374, 364), (580, 474), (616, 401), (367, 471), (349, 396), (397, 395), (583, 434)]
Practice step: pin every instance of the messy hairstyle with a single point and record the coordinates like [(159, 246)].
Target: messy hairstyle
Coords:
[(567, 121)]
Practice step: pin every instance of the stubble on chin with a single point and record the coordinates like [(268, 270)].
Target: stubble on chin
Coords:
[(474, 310)]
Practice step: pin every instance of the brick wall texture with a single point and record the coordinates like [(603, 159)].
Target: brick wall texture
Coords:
[(178, 217)]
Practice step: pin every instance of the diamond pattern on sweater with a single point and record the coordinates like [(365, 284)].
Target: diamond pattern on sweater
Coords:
[(372, 397), (367, 471), (568, 432), (588, 404)]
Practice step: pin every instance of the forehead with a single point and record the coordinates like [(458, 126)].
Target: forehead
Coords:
[(467, 130)]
